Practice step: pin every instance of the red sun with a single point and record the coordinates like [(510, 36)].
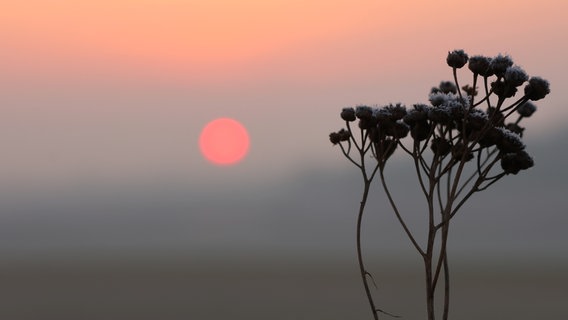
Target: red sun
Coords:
[(224, 141)]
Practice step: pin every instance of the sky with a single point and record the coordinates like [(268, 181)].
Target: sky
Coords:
[(103, 103)]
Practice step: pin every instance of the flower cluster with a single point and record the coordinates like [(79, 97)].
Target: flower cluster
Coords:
[(454, 124)]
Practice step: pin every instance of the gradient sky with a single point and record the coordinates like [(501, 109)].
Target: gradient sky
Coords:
[(115, 93)]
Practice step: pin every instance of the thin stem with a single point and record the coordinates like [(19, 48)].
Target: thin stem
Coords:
[(397, 213), (456, 80), (362, 269), (446, 287)]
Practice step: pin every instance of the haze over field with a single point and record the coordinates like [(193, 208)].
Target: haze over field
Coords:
[(103, 102)]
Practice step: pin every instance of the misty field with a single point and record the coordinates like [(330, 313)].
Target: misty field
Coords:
[(260, 290)]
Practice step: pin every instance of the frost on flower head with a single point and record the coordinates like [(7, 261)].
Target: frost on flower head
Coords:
[(455, 123), (515, 76), (457, 59), (363, 112), (537, 88), (438, 98), (499, 65), (512, 163), (510, 141), (480, 65), (448, 87)]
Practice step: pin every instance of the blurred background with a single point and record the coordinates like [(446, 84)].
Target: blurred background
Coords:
[(109, 211)]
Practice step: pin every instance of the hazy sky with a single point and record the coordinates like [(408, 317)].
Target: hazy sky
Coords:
[(113, 94)]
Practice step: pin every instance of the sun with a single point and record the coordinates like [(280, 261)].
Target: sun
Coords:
[(224, 141)]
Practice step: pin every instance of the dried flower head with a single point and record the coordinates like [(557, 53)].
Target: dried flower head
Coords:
[(526, 109), (438, 98), (537, 88), (499, 65), (335, 138), (457, 59), (515, 76), (502, 89), (363, 112), (418, 114), (515, 162), (448, 87), (509, 141), (397, 111), (348, 114), (480, 65)]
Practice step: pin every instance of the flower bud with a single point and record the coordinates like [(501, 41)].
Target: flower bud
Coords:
[(419, 113), (499, 65), (537, 88), (344, 135), (476, 119), (480, 65), (515, 76), (509, 141), (335, 138), (440, 115), (515, 162), (526, 109), (348, 114), (457, 59), (397, 111), (438, 98), (448, 87), (363, 112), (502, 89)]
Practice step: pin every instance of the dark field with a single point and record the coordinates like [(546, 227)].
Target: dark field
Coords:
[(276, 291)]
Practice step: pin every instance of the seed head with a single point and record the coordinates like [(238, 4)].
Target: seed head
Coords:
[(499, 65), (509, 141), (526, 109), (397, 111), (502, 89), (363, 112), (515, 76), (348, 114), (537, 88), (515, 162), (457, 59), (480, 65), (334, 137), (448, 87)]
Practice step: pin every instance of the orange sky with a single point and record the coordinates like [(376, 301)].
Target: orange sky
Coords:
[(214, 35), (158, 70), (194, 33)]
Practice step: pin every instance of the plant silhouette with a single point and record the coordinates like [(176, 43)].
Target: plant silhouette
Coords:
[(461, 143)]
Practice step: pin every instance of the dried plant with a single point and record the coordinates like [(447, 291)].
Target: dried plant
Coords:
[(461, 143)]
